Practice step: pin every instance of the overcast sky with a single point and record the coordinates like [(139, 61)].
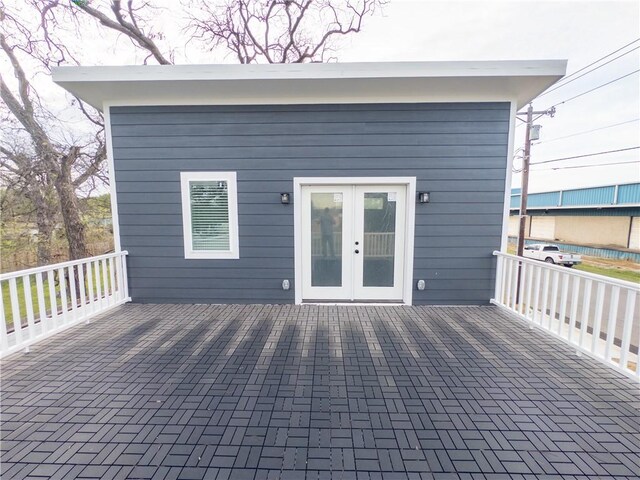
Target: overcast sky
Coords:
[(579, 31), (422, 30)]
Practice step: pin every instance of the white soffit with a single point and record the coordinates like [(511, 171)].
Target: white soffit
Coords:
[(402, 82)]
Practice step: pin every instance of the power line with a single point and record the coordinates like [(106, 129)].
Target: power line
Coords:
[(586, 155), (586, 131), (595, 88), (557, 86), (602, 58), (596, 61), (587, 166)]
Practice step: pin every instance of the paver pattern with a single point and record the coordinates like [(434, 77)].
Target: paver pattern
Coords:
[(315, 392)]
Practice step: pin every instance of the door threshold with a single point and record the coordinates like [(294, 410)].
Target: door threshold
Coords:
[(376, 303)]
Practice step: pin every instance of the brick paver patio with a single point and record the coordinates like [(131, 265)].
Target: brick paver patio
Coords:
[(317, 392)]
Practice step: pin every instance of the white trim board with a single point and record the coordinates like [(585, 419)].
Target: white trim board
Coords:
[(111, 172), (386, 82), (409, 182), (504, 241)]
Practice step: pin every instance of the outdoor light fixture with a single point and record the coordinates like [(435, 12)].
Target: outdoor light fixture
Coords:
[(421, 285), (285, 284), (285, 198), (423, 197)]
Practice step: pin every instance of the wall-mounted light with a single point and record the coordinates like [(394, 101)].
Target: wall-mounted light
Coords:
[(421, 285), (285, 284), (285, 198), (423, 197)]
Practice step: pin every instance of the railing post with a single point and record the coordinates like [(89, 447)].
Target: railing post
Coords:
[(105, 282), (563, 302), (611, 327), (15, 310), (498, 285), (586, 307), (554, 299), (28, 303), (626, 331), (574, 308), (125, 279), (51, 325), (597, 319), (112, 279), (4, 336)]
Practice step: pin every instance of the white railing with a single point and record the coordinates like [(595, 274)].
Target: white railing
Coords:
[(597, 315), (43, 301)]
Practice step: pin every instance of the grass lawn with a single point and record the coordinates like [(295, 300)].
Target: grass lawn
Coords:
[(613, 271), (628, 275)]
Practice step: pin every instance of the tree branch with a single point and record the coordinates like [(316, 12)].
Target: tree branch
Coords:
[(129, 29)]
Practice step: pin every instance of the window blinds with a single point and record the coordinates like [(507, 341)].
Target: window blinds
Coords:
[(209, 215)]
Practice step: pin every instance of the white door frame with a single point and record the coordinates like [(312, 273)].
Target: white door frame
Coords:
[(409, 182)]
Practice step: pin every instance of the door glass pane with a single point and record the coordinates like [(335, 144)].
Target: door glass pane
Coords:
[(326, 239), (379, 239)]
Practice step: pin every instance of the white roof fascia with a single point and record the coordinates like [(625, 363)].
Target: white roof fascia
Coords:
[(390, 82)]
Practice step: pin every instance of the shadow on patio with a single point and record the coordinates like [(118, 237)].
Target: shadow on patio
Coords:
[(268, 392)]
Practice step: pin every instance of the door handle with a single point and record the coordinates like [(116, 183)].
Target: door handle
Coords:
[(357, 243), (357, 251)]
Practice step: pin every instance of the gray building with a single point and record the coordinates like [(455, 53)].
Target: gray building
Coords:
[(311, 183)]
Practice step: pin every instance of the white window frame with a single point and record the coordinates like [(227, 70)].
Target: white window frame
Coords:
[(230, 177)]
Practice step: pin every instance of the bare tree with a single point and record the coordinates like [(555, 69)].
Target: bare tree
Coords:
[(22, 175), (254, 31), (278, 31), (127, 19), (48, 165)]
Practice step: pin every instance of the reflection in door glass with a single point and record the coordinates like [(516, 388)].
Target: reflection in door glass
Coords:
[(379, 239), (326, 239)]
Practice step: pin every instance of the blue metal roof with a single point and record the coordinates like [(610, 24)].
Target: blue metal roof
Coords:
[(605, 196)]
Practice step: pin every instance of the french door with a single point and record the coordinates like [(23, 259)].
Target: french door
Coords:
[(353, 242)]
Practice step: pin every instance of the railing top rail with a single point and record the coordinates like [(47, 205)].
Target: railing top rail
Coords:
[(54, 266), (576, 273)]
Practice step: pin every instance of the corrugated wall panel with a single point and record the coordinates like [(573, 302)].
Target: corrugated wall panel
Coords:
[(591, 212), (547, 199), (629, 193), (589, 196), (457, 152)]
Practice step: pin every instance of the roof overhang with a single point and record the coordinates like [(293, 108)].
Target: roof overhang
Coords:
[(402, 82)]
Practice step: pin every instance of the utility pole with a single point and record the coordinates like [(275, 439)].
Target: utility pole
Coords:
[(524, 192)]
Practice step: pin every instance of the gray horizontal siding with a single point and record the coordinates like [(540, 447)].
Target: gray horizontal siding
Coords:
[(311, 128), (457, 152), (262, 154)]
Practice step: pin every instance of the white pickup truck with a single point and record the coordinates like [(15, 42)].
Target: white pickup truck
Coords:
[(551, 254)]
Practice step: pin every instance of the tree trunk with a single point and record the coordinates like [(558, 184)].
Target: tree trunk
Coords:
[(45, 225), (73, 225), (45, 222)]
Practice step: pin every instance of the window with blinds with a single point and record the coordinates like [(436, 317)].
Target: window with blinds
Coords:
[(209, 204), (209, 215)]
